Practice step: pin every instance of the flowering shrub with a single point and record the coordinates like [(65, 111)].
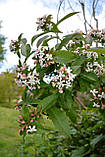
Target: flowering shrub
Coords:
[(55, 76)]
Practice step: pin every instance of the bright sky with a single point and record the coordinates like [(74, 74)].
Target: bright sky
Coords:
[(19, 16)]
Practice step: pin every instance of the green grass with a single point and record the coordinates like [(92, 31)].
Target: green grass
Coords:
[(9, 137)]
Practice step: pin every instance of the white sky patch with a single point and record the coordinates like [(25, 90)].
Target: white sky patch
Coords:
[(20, 16)]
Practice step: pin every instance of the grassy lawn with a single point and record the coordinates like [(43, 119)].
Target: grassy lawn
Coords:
[(9, 137)]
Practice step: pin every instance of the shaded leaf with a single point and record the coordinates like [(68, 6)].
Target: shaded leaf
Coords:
[(60, 120), (97, 49), (36, 36), (48, 102), (90, 76), (96, 140), (41, 40), (25, 113)]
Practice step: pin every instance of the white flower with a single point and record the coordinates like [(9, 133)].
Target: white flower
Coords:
[(94, 92), (95, 105), (31, 129)]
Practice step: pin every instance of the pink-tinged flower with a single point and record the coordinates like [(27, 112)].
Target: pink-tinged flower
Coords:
[(16, 101), (19, 131), (16, 108), (32, 114), (22, 129), (100, 89), (46, 65), (61, 90), (23, 122), (18, 120), (38, 117), (26, 127), (31, 120), (36, 61), (35, 108), (24, 75), (95, 97), (38, 87), (91, 99), (86, 46), (20, 117), (103, 106)]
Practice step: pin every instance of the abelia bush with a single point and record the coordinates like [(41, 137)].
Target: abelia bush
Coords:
[(56, 74)]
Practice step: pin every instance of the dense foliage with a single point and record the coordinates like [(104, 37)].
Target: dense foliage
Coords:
[(54, 76), (2, 48)]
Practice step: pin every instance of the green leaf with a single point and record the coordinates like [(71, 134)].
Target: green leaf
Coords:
[(41, 40), (45, 42), (97, 49), (48, 102), (19, 37), (55, 28), (66, 17), (60, 120), (80, 152), (25, 49), (69, 37), (28, 49), (90, 76), (96, 140), (76, 69), (36, 36), (72, 114), (63, 56), (25, 113), (79, 61)]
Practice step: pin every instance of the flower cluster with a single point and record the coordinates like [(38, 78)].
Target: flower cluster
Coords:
[(44, 23), (27, 78), (14, 46), (61, 78), (98, 35), (43, 57), (99, 69), (28, 125), (90, 54), (98, 97)]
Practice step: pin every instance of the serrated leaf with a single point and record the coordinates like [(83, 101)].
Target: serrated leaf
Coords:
[(48, 102), (41, 40), (66, 17), (60, 120), (63, 56)]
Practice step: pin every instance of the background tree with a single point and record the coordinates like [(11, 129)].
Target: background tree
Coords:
[(2, 48), (8, 89)]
